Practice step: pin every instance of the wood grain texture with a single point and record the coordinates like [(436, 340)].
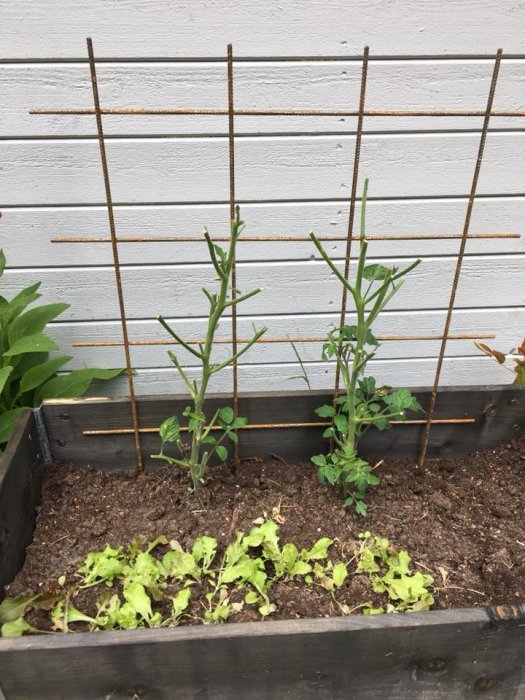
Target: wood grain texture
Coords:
[(445, 655), (499, 412), (33, 229), (288, 287), (21, 471), (273, 168), (398, 84), (274, 28)]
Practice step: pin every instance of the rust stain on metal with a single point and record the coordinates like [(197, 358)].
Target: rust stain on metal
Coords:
[(461, 254)]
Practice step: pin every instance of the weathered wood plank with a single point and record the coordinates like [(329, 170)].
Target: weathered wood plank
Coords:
[(320, 28), (401, 85), (499, 412), (287, 287), (33, 229), (445, 655), (21, 471), (275, 168)]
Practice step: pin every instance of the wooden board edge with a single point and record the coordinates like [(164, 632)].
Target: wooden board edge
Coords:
[(21, 473)]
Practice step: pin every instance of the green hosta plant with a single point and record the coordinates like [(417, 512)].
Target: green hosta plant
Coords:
[(28, 374), (362, 404), (204, 440)]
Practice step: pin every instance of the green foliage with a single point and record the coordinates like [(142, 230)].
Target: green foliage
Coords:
[(389, 572), (204, 444), (363, 404), (500, 357), (159, 583), (27, 374)]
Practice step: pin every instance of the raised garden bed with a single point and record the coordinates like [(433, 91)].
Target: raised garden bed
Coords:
[(453, 653)]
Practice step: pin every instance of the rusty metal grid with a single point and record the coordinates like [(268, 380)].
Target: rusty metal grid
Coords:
[(232, 112)]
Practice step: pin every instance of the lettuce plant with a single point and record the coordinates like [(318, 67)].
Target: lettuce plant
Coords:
[(362, 404), (28, 374), (204, 444)]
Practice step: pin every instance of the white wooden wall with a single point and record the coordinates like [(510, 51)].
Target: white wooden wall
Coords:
[(170, 174)]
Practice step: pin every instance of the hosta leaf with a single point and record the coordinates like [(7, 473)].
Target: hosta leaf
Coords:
[(8, 422), (35, 376), (76, 383), (21, 300), (4, 374), (37, 342), (34, 321)]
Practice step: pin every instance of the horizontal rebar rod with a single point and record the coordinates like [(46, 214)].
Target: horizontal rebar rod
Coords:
[(189, 111), (315, 339), (279, 239), (269, 426)]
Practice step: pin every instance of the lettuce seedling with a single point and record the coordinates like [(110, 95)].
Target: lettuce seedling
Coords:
[(204, 444), (362, 404)]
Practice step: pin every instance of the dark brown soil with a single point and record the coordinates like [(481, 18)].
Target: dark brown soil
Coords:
[(462, 521)]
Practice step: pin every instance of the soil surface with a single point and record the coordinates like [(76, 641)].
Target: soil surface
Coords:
[(460, 520)]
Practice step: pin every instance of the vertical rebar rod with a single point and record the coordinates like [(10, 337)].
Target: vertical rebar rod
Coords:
[(231, 159), (351, 213), (116, 260), (459, 262)]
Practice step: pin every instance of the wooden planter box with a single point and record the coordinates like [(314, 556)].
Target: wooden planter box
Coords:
[(444, 654)]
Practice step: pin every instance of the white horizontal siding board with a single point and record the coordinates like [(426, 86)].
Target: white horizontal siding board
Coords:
[(409, 372), (506, 324), (23, 231), (276, 27), (293, 287), (192, 170), (400, 85)]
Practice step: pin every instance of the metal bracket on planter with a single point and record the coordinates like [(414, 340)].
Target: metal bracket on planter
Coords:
[(44, 441)]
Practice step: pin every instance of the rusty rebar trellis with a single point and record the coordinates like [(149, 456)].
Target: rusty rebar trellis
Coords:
[(232, 112), (459, 263), (116, 261)]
